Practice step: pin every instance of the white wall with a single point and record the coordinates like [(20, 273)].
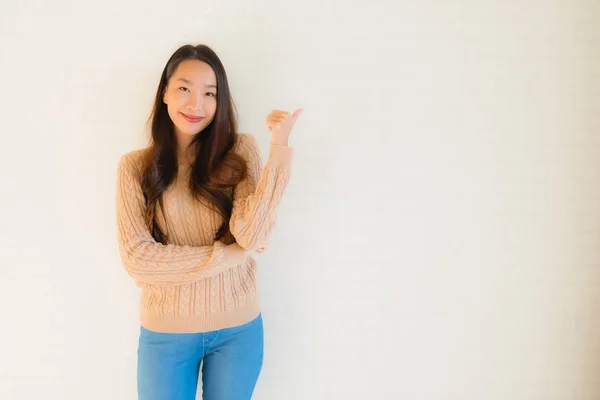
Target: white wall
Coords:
[(440, 238)]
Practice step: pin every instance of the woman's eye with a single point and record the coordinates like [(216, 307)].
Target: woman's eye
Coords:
[(209, 94), (184, 89)]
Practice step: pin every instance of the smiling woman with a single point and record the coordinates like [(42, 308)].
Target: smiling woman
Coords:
[(191, 99), (191, 208)]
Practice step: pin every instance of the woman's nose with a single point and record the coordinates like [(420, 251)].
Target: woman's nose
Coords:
[(195, 102)]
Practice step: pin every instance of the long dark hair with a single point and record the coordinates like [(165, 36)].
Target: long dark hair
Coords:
[(215, 170)]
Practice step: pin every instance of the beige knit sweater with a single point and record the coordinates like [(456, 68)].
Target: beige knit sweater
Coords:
[(194, 284)]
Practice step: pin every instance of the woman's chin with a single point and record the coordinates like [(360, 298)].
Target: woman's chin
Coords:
[(189, 129)]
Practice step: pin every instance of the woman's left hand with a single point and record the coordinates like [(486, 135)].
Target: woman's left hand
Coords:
[(280, 124)]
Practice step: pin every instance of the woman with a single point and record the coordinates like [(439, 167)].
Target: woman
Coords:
[(191, 209)]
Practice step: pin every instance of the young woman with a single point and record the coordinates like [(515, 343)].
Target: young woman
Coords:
[(191, 210)]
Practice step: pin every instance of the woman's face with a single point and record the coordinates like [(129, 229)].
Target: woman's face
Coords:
[(191, 97)]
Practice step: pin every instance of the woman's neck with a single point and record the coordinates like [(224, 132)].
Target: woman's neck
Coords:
[(186, 151)]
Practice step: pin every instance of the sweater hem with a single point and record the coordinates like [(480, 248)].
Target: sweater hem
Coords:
[(200, 323)]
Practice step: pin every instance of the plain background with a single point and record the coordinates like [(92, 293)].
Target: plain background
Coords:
[(440, 238)]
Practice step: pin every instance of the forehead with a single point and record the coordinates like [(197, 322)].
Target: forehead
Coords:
[(195, 71)]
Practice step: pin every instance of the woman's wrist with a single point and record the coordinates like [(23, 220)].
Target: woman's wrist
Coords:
[(279, 142)]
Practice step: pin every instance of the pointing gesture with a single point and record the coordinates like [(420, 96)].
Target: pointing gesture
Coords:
[(280, 124)]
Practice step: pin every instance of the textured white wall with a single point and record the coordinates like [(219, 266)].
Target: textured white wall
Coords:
[(441, 235)]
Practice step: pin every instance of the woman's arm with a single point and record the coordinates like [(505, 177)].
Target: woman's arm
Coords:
[(256, 198), (155, 263)]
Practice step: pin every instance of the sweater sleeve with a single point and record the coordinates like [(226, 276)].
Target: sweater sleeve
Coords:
[(152, 262), (256, 198)]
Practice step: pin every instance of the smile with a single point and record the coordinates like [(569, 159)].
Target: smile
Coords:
[(191, 118)]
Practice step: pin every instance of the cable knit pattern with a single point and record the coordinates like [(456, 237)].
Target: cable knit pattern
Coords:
[(194, 284)]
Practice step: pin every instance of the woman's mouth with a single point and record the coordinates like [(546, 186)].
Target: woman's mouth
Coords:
[(192, 118)]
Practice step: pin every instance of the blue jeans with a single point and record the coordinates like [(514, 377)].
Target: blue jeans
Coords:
[(169, 363)]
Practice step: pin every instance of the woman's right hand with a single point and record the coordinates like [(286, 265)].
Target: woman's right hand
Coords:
[(261, 249)]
